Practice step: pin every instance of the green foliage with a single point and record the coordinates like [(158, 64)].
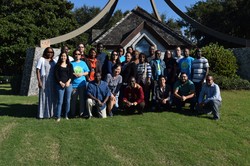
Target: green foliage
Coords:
[(230, 17), (231, 83), (25, 23), (221, 60)]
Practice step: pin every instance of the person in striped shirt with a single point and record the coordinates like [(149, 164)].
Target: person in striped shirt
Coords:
[(199, 70)]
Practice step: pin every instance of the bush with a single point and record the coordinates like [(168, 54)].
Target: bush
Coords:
[(221, 61), (231, 83), (5, 79)]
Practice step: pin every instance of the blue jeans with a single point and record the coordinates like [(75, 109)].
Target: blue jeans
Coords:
[(60, 93)]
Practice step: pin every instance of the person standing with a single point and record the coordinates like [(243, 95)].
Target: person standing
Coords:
[(81, 70), (46, 84), (210, 98), (151, 55), (108, 65), (128, 70), (158, 68), (93, 63), (98, 94), (101, 56), (178, 55), (63, 76), (171, 68), (185, 63), (81, 48), (200, 69), (121, 53), (143, 77)]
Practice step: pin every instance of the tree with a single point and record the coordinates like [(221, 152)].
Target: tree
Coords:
[(24, 23), (230, 17)]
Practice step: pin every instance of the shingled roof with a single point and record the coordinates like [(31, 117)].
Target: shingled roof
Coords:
[(136, 20)]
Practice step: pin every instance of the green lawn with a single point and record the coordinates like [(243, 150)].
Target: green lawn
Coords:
[(167, 138)]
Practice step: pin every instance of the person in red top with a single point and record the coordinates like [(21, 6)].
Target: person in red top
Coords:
[(133, 97), (93, 64)]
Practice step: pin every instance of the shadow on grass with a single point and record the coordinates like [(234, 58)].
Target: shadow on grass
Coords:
[(184, 111), (18, 110)]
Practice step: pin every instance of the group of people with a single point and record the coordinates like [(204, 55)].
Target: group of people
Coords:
[(130, 81)]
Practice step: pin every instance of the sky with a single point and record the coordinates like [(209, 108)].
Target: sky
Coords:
[(124, 5)]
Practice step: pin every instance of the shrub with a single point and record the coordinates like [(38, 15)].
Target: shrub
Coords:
[(231, 83), (221, 61)]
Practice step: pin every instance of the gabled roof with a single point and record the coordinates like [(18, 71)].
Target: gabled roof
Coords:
[(133, 23)]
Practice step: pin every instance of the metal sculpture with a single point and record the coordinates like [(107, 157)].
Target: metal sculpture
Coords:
[(207, 30), (109, 8)]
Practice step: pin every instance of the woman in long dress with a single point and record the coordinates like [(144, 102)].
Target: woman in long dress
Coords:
[(46, 84)]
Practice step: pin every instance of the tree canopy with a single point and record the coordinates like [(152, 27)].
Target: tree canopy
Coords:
[(227, 16), (25, 23)]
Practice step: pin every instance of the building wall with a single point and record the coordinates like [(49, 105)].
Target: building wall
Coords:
[(243, 59)]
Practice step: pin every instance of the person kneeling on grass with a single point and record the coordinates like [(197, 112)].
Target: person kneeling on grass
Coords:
[(184, 92), (209, 98), (162, 94), (98, 94), (133, 97)]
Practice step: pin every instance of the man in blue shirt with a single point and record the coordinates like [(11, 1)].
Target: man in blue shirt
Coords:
[(101, 56), (98, 94), (185, 63), (210, 98)]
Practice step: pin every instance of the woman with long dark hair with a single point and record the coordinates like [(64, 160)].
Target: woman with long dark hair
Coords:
[(63, 76)]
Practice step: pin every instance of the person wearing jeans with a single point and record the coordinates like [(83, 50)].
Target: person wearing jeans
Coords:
[(63, 76)]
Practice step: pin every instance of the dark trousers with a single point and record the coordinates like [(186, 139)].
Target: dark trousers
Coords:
[(179, 104), (198, 86), (139, 107)]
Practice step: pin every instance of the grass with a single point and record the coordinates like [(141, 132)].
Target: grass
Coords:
[(166, 138)]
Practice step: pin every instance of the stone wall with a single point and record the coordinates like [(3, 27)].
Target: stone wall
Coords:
[(243, 59), (29, 85)]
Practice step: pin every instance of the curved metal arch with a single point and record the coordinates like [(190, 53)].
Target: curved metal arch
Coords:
[(222, 36), (155, 10), (110, 6)]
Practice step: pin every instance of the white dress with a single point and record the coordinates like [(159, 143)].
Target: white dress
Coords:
[(46, 104)]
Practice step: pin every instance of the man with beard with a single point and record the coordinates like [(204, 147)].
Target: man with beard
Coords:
[(184, 92)]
